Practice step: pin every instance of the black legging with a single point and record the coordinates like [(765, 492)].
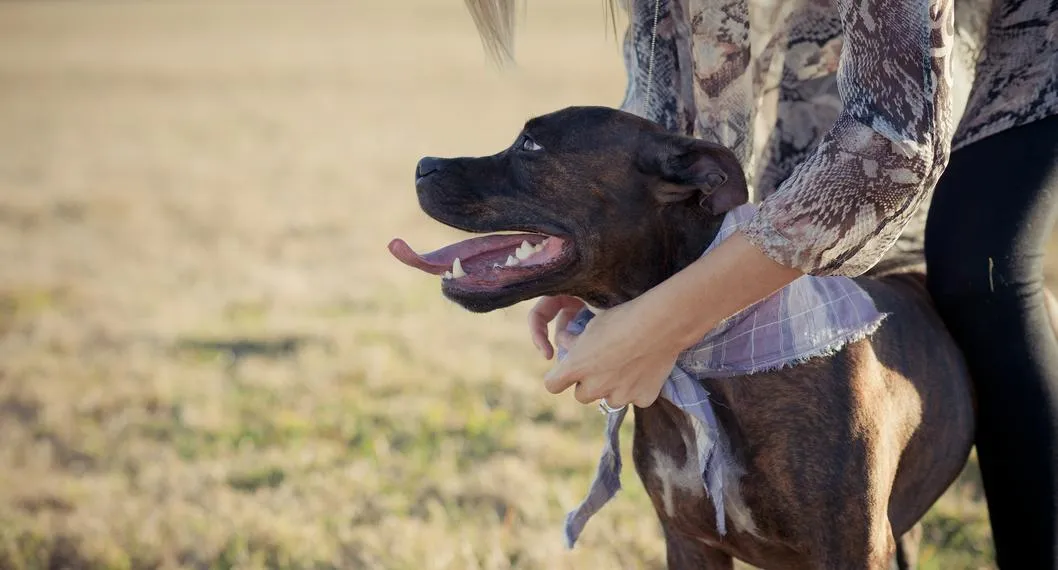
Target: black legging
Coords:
[(986, 233)]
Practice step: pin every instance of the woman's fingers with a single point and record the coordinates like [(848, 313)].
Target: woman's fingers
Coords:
[(539, 316), (545, 311), (604, 362), (568, 314), (562, 376), (644, 399), (618, 399), (565, 339), (586, 393)]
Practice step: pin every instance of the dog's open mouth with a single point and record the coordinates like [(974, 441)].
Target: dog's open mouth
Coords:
[(491, 262)]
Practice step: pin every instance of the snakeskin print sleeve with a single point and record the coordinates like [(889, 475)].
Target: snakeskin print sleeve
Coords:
[(847, 202)]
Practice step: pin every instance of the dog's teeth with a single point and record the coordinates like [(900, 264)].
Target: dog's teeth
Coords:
[(539, 247), (447, 275), (523, 253), (525, 245), (511, 260), (457, 269)]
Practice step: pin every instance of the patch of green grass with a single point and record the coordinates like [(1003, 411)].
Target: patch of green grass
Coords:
[(26, 546), (29, 301), (23, 303), (246, 314), (251, 481)]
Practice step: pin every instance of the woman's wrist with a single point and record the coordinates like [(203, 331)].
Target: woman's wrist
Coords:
[(731, 277)]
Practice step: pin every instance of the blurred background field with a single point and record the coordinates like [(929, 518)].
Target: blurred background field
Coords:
[(207, 357)]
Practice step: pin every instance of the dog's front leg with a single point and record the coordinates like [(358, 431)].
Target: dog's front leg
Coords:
[(850, 547), (688, 553), (907, 547)]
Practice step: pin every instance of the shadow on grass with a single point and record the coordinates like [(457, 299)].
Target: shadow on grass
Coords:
[(235, 350)]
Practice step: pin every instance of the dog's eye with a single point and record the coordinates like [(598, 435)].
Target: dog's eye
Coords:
[(529, 144)]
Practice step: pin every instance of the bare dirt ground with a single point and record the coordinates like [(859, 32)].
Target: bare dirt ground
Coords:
[(207, 357)]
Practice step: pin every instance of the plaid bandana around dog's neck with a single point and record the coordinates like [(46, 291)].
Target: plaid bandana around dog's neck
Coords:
[(810, 317)]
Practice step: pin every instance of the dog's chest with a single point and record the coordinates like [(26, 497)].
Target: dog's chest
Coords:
[(677, 477), (665, 453)]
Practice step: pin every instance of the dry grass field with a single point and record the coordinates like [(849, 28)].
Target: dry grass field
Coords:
[(207, 357)]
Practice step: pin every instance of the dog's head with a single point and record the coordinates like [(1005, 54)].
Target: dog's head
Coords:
[(608, 204)]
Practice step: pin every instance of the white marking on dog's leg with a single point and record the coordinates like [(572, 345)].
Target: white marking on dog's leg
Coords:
[(735, 506), (737, 509), (666, 494), (687, 478)]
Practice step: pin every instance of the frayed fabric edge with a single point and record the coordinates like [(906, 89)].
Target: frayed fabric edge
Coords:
[(829, 349)]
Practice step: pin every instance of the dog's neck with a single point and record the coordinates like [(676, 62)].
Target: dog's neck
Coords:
[(682, 235)]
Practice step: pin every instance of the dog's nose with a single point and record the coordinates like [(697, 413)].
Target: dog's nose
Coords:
[(427, 166)]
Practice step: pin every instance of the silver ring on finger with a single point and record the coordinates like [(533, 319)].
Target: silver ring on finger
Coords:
[(606, 408)]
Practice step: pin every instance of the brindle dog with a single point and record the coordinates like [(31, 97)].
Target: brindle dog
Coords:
[(841, 455)]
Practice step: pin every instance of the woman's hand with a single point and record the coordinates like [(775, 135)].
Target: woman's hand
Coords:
[(621, 356), (626, 353), (546, 309)]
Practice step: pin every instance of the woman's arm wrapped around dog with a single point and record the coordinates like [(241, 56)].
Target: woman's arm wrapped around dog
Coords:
[(837, 214), (626, 353)]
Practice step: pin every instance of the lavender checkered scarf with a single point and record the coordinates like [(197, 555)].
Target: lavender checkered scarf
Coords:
[(813, 316)]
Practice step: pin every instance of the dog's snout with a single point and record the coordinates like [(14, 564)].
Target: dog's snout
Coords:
[(427, 166)]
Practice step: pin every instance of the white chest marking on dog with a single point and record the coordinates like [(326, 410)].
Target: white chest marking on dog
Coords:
[(687, 478), (737, 510)]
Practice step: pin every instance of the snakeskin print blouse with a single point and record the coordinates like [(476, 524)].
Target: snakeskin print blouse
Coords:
[(843, 112)]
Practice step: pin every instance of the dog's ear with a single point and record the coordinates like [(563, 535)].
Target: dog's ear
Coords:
[(690, 168)]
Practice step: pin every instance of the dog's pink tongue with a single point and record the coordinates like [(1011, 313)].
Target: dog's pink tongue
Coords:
[(406, 255), (437, 262)]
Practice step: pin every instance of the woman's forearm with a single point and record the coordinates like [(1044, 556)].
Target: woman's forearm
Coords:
[(626, 353), (731, 277)]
